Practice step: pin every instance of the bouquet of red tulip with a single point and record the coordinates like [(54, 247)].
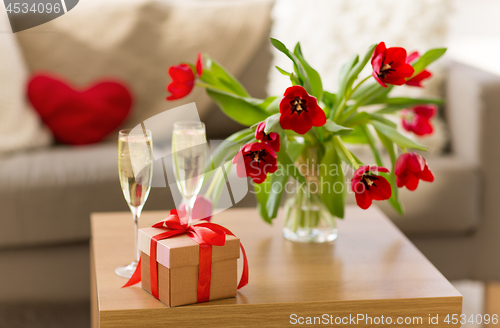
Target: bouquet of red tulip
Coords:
[(310, 124)]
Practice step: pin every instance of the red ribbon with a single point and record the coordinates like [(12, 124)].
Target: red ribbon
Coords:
[(205, 234)]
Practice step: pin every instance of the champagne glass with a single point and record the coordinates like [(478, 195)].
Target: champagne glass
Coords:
[(188, 145), (135, 168)]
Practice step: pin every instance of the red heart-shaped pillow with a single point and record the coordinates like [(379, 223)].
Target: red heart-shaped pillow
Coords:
[(79, 117)]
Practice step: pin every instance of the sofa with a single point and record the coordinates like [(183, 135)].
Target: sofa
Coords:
[(48, 194)]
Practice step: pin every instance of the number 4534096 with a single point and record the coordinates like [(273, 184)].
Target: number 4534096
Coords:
[(473, 319), (25, 8)]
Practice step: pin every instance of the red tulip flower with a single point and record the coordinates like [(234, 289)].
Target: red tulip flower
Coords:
[(412, 57), (255, 160), (368, 186), (416, 81), (273, 139), (202, 209), (390, 66), (409, 169), (300, 111), (183, 79), (199, 64), (417, 119)]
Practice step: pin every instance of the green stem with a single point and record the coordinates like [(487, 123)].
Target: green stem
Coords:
[(359, 84), (339, 109), (302, 217), (347, 97), (307, 217), (347, 152), (298, 212), (202, 85), (211, 86), (360, 102), (314, 219), (351, 110), (313, 137)]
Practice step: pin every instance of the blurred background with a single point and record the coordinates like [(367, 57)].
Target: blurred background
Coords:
[(49, 188)]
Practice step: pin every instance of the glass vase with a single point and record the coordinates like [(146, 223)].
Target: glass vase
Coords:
[(307, 220)]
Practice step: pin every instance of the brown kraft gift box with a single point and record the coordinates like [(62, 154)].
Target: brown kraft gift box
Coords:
[(178, 260)]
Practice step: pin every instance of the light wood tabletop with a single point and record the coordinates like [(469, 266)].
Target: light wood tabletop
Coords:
[(371, 270), (492, 301)]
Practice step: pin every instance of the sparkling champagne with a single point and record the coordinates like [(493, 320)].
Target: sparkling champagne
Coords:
[(189, 160), (135, 168)]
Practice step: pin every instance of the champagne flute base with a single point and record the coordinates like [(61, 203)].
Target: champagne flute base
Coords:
[(126, 271)]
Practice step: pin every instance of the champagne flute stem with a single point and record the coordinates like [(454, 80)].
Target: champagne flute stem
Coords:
[(136, 213), (189, 208), (189, 211)]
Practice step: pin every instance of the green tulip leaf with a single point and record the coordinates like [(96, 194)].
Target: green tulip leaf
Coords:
[(329, 99), (226, 151), (376, 94), (331, 176), (376, 91), (404, 102), (295, 80), (245, 111), (427, 58), (354, 72), (228, 148), (222, 77), (344, 74), (290, 167), (273, 124), (373, 145), (295, 148), (364, 89), (299, 69), (382, 119), (335, 128), (396, 137), (312, 75), (274, 106), (394, 200), (393, 108), (277, 187), (341, 151), (356, 136), (266, 103), (282, 71), (281, 47), (357, 119), (262, 192)]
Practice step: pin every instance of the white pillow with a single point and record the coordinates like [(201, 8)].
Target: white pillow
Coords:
[(20, 126), (331, 31)]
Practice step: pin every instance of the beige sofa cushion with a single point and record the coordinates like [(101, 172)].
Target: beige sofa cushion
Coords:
[(20, 127), (138, 40)]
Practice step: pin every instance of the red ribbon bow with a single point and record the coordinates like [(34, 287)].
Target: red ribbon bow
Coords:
[(205, 234)]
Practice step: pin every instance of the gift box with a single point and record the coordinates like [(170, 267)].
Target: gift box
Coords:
[(178, 263)]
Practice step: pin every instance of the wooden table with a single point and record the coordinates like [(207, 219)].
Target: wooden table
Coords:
[(372, 269), (492, 300)]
